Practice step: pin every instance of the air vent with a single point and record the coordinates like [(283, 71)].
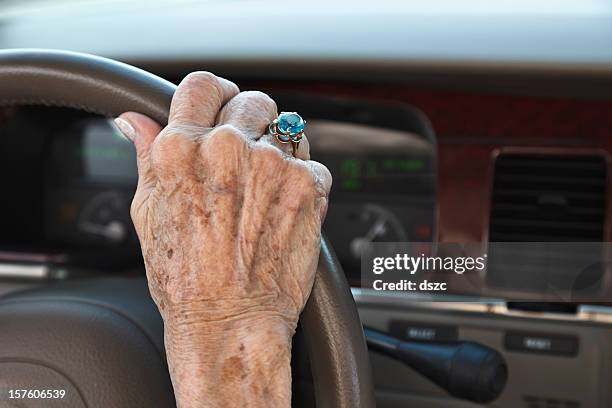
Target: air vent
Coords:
[(543, 402), (547, 224), (548, 198)]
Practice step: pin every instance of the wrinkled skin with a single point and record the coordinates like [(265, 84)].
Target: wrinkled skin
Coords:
[(230, 228)]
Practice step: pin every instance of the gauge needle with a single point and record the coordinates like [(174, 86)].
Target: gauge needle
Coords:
[(113, 231), (376, 230), (360, 244)]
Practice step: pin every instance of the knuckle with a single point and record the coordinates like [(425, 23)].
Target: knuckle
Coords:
[(322, 177), (171, 147), (254, 105), (226, 134), (260, 100), (325, 173), (269, 156), (223, 142), (226, 131), (202, 84)]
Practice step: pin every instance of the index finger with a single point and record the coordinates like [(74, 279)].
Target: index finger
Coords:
[(198, 99)]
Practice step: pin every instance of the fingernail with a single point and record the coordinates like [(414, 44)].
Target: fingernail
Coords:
[(126, 129)]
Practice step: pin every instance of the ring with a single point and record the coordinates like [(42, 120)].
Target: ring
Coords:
[(288, 127)]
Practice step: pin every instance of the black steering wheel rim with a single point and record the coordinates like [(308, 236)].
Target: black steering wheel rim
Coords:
[(331, 325)]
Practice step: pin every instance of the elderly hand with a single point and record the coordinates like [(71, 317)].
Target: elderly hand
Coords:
[(229, 224)]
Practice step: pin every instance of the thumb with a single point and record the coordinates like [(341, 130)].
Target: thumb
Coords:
[(142, 131)]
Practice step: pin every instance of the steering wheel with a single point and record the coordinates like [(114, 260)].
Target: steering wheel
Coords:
[(100, 340)]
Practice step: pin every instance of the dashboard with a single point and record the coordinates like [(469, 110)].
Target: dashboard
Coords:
[(84, 172)]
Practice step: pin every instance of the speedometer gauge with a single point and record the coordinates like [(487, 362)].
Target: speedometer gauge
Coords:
[(90, 181)]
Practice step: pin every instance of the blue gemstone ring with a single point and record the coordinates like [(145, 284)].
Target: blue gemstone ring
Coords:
[(288, 127)]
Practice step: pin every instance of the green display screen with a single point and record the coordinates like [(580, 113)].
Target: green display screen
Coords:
[(359, 174)]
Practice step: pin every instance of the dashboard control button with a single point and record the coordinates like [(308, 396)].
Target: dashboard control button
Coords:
[(418, 331), (543, 343)]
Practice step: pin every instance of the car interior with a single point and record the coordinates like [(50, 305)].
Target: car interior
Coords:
[(441, 122)]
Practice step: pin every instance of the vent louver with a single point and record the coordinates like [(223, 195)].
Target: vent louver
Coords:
[(547, 224), (548, 198)]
